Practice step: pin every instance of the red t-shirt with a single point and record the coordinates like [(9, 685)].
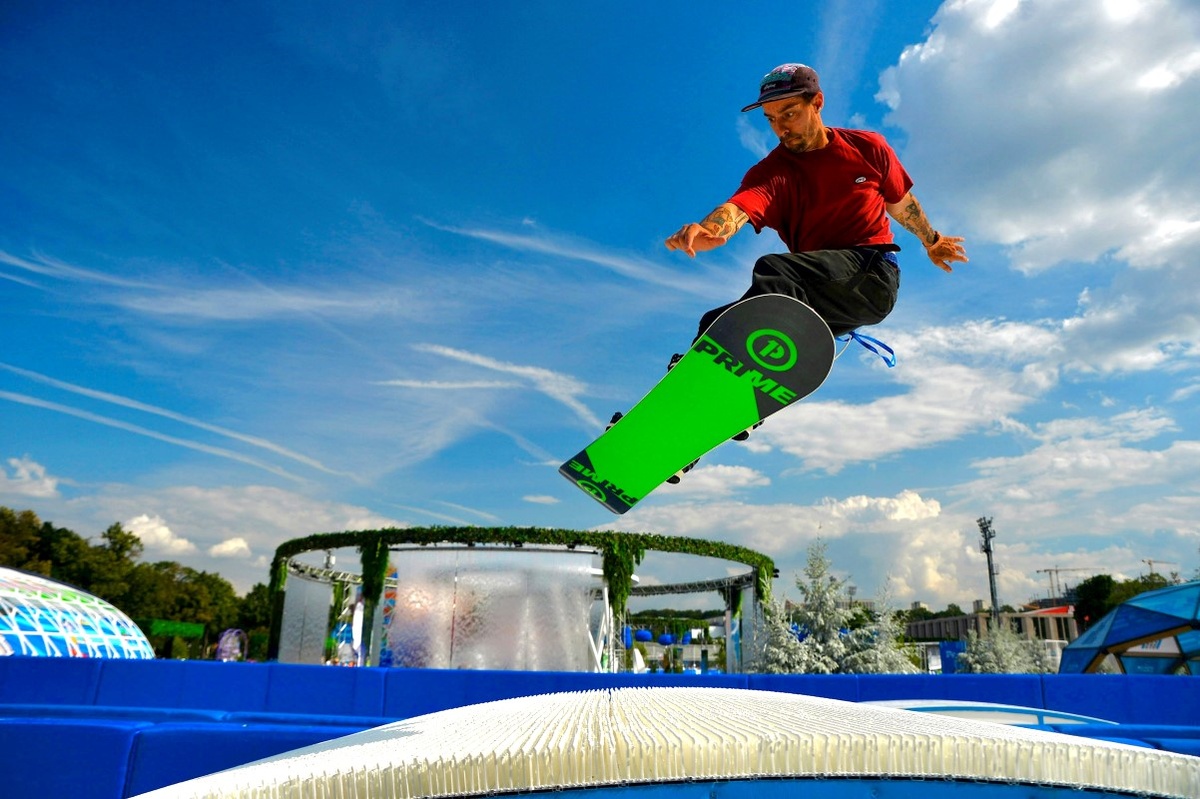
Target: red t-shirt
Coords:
[(826, 199)]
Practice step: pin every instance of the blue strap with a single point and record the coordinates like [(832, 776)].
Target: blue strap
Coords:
[(869, 343)]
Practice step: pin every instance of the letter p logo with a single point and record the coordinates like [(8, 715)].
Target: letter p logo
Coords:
[(772, 350)]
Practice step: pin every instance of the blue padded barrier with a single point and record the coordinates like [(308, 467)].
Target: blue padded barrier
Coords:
[(204, 684), (307, 719), (1140, 731), (416, 692), (35, 680), (293, 688), (81, 759), (584, 681), (1184, 740), (1006, 689), (830, 686), (165, 754), (148, 714), (1182, 746), (1126, 698)]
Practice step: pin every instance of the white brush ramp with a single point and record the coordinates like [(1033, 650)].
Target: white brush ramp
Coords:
[(631, 738)]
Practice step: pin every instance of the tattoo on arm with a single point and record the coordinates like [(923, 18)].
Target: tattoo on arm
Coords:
[(725, 220), (912, 217)]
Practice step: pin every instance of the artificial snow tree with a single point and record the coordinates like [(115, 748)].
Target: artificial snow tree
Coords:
[(1002, 651), (819, 639), (876, 648)]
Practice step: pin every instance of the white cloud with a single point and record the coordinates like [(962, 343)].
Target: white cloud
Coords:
[(959, 380), (716, 480), (230, 548), (157, 537), (1076, 125), (219, 528), (1088, 457), (908, 538), (540, 499), (28, 479)]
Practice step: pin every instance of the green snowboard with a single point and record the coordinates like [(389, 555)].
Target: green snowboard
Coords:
[(758, 357)]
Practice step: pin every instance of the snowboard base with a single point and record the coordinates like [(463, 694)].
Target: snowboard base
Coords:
[(759, 356)]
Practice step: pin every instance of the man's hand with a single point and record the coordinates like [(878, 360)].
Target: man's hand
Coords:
[(709, 233), (694, 238), (945, 250)]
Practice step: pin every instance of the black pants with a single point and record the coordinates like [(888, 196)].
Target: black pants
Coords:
[(847, 288)]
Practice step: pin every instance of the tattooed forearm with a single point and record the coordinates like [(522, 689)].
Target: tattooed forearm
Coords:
[(725, 220), (908, 212)]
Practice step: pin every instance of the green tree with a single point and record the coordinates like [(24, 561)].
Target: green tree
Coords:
[(1128, 589), (112, 570), (918, 614), (1093, 599), (254, 610), (254, 618), (19, 537), (111, 564)]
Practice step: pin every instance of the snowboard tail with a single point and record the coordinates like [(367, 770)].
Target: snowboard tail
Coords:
[(759, 356)]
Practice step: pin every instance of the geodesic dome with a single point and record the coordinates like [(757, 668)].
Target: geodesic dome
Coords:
[(43, 618), (1157, 632)]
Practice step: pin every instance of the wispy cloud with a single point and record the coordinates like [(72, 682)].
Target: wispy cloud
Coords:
[(757, 141), (446, 385), (22, 399), (491, 517), (133, 404), (559, 387), (20, 280), (457, 520), (53, 268), (560, 246), (264, 303)]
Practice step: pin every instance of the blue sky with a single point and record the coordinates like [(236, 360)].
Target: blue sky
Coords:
[(296, 269)]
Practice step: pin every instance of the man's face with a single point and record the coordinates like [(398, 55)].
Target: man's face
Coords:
[(797, 122)]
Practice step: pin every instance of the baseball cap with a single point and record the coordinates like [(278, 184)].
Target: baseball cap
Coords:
[(786, 80)]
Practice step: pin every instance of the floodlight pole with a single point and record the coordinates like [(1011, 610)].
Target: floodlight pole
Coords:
[(985, 529)]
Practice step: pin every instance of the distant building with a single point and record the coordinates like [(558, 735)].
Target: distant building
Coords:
[(1048, 624)]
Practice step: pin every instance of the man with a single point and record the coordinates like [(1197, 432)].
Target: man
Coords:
[(828, 193)]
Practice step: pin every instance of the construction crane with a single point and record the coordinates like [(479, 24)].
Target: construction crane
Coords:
[(1151, 563), (1056, 584)]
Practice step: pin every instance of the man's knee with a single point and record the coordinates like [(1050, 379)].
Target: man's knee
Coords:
[(768, 266)]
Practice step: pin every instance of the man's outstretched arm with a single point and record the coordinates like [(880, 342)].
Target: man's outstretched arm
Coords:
[(942, 250), (709, 233)]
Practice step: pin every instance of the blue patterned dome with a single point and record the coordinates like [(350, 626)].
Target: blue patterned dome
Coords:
[(1157, 632), (42, 618)]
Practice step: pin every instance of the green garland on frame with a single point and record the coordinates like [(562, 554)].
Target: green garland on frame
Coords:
[(621, 554)]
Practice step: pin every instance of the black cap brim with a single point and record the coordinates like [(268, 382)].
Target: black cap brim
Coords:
[(773, 96)]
